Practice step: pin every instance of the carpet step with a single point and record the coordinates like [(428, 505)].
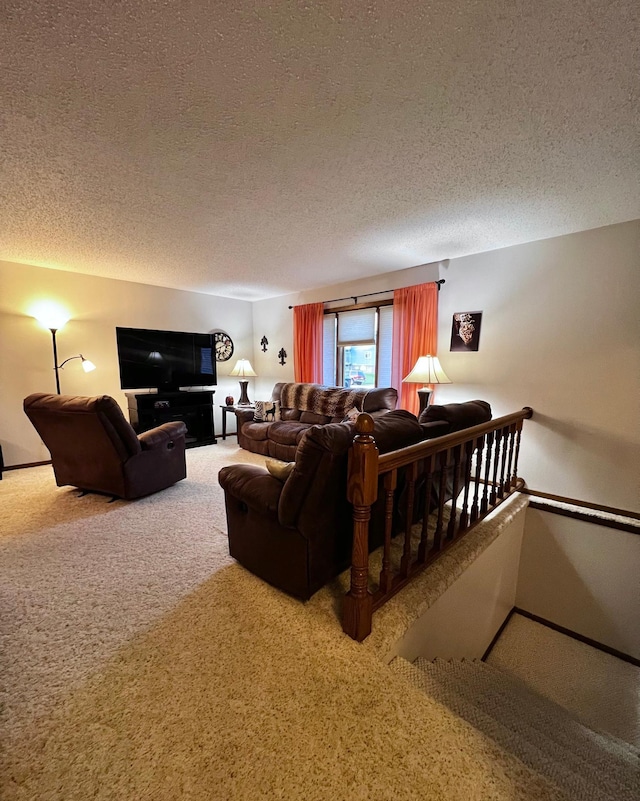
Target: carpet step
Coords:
[(517, 687), (540, 733), (509, 693)]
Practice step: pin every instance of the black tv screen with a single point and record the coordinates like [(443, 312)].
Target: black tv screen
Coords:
[(165, 360)]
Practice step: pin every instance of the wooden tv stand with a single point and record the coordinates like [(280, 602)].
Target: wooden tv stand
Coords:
[(195, 409)]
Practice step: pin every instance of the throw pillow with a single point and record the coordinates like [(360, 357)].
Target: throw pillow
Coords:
[(266, 412), (278, 469)]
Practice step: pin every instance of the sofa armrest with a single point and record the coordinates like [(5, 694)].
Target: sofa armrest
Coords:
[(244, 416), (253, 486), (161, 436)]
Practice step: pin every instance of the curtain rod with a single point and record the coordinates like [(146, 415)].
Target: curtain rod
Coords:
[(354, 298)]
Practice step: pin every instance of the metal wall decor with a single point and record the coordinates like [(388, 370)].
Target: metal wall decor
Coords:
[(282, 355), (263, 344)]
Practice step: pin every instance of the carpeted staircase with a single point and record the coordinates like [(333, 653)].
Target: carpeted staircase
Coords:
[(584, 764)]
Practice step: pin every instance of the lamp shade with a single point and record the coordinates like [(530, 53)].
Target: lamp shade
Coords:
[(50, 315), (243, 369), (87, 365), (427, 370)]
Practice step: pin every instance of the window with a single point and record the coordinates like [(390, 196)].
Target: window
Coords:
[(357, 347)]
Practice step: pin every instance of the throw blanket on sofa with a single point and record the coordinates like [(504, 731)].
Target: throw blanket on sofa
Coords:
[(318, 399)]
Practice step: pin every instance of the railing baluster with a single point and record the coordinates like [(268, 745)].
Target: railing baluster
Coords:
[(468, 454), (512, 438), (424, 534), (514, 477), (496, 462), (456, 483), (503, 467), (475, 508), (390, 484), (437, 537), (411, 475), (487, 466)]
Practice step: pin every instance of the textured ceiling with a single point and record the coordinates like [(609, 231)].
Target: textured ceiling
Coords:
[(251, 149)]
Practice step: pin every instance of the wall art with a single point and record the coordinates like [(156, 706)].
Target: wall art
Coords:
[(465, 331)]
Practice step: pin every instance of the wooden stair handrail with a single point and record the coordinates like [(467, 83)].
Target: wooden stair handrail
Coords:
[(497, 443), (404, 456)]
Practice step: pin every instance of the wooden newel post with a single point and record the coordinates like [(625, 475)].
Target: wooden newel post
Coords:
[(362, 492)]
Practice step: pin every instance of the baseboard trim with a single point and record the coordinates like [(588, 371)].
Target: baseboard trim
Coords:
[(585, 504), (496, 636), (22, 466), (586, 517), (569, 633)]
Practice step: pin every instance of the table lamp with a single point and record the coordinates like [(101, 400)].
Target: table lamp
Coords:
[(243, 368), (427, 370)]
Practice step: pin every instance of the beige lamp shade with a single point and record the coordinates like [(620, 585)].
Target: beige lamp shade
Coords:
[(427, 370), (243, 368)]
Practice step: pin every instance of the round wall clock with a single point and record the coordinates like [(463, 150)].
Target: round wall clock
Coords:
[(223, 345)]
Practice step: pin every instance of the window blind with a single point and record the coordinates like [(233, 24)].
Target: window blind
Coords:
[(357, 327)]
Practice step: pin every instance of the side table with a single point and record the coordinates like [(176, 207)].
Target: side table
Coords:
[(227, 410)]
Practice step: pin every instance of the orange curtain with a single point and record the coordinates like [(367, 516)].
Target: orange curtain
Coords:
[(415, 333), (307, 342)]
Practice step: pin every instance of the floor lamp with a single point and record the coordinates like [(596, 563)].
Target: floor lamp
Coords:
[(54, 321), (427, 370)]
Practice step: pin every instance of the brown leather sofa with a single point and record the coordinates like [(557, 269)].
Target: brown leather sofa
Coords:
[(305, 405), (93, 447), (297, 534)]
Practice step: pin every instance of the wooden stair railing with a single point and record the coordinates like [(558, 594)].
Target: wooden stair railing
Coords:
[(482, 464)]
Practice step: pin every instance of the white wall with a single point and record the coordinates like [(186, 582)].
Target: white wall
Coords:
[(561, 333), (96, 306), (582, 576)]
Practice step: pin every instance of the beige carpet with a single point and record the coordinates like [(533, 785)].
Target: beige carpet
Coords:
[(82, 576), (139, 663), (598, 689)]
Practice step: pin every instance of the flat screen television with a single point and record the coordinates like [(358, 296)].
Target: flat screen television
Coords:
[(166, 360)]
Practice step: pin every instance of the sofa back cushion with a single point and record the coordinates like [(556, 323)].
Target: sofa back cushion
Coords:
[(376, 399), (325, 403), (329, 404), (97, 423), (457, 415), (89, 438), (318, 480)]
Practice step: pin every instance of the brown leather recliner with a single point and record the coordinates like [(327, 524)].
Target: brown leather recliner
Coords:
[(297, 535), (93, 447)]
